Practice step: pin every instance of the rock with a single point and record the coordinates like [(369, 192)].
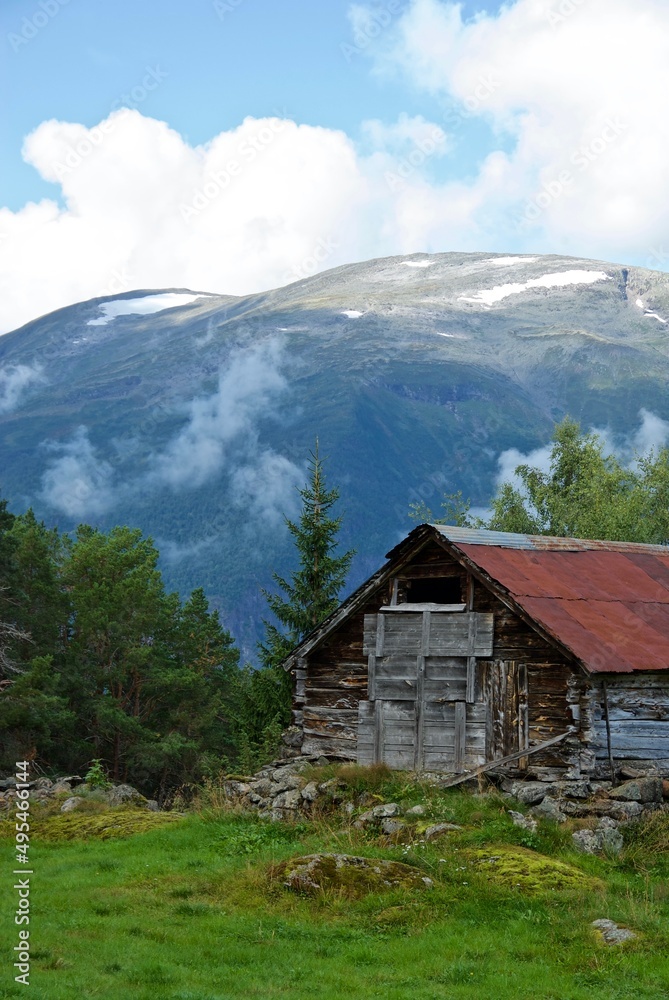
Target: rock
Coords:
[(415, 811), (577, 789), (530, 793), (611, 841), (391, 826), (310, 792), (438, 829), (292, 737), (289, 799), (40, 784), (386, 810), (549, 808), (287, 771), (607, 823), (529, 871), (364, 819), (524, 822), (344, 872), (585, 841), (73, 779), (152, 805), (605, 838), (235, 789), (72, 803), (121, 795), (631, 772), (348, 808), (60, 787), (6, 783), (263, 788), (603, 807), (611, 932), (638, 790)]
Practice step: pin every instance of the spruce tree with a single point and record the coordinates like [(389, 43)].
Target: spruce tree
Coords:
[(304, 600), (312, 592)]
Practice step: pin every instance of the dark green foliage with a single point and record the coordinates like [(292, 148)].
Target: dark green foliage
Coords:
[(304, 600), (312, 592), (114, 669)]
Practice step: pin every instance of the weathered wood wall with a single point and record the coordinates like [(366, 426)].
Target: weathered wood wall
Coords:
[(638, 707), (537, 692)]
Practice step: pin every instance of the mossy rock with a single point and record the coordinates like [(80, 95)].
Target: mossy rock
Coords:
[(347, 874), (519, 868), (100, 826)]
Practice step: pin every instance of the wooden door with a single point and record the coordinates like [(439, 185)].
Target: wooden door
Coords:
[(506, 696), (424, 707)]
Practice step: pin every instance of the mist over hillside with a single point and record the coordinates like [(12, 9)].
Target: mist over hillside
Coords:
[(191, 415)]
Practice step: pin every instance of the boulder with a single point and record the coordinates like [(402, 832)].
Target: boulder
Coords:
[(310, 792), (415, 811), (263, 788), (60, 787), (530, 793), (292, 737), (392, 825), (386, 810), (439, 829), (152, 805), (606, 838), (647, 789), (357, 876), (287, 771), (611, 932), (121, 795), (72, 803), (290, 799), (235, 789), (549, 808), (524, 822)]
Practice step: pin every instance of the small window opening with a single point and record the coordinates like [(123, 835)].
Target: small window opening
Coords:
[(440, 590)]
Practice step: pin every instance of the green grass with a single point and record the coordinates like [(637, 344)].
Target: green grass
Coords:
[(190, 911)]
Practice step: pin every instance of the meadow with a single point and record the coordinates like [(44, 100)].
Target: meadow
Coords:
[(190, 907)]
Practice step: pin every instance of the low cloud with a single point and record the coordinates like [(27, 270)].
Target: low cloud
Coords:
[(78, 483), (13, 383), (268, 487), (651, 436), (224, 425)]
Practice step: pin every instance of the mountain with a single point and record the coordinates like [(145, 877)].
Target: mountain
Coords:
[(191, 415)]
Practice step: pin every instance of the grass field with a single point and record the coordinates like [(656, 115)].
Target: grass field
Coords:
[(189, 911)]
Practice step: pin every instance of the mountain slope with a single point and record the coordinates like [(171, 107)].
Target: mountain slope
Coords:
[(191, 414)]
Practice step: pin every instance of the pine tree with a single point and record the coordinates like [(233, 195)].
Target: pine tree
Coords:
[(312, 592), (310, 595)]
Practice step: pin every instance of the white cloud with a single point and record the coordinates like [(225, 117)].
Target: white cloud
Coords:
[(509, 460), (223, 425), (78, 483), (573, 161), (582, 93), (267, 487), (652, 435), (14, 381)]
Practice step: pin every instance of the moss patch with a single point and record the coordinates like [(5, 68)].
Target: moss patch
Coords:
[(346, 875), (100, 826), (530, 872)]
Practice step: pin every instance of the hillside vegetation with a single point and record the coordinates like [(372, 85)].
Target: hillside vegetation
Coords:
[(197, 909)]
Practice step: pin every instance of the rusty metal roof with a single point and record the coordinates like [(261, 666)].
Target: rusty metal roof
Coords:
[(607, 602)]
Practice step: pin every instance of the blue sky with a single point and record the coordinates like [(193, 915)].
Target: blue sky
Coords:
[(398, 126), (254, 57)]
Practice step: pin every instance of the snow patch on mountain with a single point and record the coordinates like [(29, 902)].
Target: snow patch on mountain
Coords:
[(351, 313), (649, 313), (142, 306), (509, 261), (417, 263), (488, 296)]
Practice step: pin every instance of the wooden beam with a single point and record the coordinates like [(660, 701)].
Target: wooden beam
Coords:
[(492, 764)]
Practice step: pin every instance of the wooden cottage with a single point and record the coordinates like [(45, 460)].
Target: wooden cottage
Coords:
[(474, 646)]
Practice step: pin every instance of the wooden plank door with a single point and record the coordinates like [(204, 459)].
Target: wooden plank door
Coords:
[(506, 697), (424, 707)]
